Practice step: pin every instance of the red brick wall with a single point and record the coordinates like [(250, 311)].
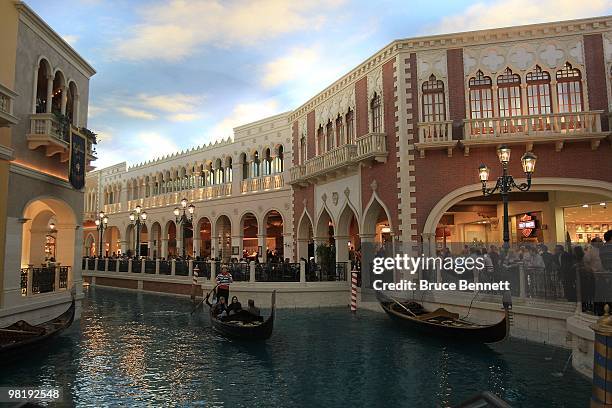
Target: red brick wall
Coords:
[(456, 90), (117, 283), (596, 74), (385, 174), (361, 107), (413, 107), (437, 174)]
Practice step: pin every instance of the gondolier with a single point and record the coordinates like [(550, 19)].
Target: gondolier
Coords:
[(224, 279)]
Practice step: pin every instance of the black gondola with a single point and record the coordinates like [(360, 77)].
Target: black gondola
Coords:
[(21, 335), (254, 330), (443, 323)]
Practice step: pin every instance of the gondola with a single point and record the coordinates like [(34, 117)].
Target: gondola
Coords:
[(256, 330), (443, 323), (21, 335)]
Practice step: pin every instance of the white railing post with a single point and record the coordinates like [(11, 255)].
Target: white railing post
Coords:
[(173, 267), (56, 278), (252, 271), (190, 263), (213, 270), (522, 281), (130, 265), (157, 266), (303, 271), (30, 278), (106, 265)]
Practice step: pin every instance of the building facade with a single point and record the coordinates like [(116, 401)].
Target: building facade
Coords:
[(388, 155), (43, 97)]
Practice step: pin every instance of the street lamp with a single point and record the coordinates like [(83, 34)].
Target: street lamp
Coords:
[(101, 224), (138, 218), (506, 183), (183, 219)]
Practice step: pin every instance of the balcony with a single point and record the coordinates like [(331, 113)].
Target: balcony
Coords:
[(112, 208), (265, 183), (174, 198), (371, 147), (556, 128), (46, 131), (7, 99), (35, 280), (435, 136)]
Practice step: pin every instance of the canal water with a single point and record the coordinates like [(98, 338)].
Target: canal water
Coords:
[(133, 349)]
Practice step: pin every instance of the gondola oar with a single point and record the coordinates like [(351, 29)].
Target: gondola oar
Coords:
[(202, 301), (405, 308)]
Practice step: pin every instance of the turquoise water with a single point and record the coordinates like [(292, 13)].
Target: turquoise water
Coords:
[(133, 349)]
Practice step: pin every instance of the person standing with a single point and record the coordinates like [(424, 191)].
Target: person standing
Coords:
[(224, 279), (605, 252), (564, 263)]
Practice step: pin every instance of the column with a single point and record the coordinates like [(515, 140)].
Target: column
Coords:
[(164, 248), (261, 242), (179, 239), (35, 93), (196, 244), (320, 241), (49, 93), (150, 246), (214, 247), (342, 252), (124, 246), (64, 100), (302, 248)]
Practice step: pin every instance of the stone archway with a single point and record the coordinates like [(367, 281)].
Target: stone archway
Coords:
[(347, 234), (305, 238), (325, 243)]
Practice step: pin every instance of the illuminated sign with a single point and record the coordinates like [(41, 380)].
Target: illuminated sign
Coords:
[(527, 224)]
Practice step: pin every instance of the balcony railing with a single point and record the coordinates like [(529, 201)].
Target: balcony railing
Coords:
[(264, 183), (372, 146), (45, 279), (112, 208), (7, 98), (557, 127), (435, 135)]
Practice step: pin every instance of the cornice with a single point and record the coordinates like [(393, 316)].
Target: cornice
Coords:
[(6, 153), (33, 20), (458, 40), (31, 173)]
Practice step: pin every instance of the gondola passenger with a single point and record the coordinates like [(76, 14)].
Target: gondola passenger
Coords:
[(234, 307), (219, 309)]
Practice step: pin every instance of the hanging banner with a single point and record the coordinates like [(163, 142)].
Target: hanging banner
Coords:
[(78, 151)]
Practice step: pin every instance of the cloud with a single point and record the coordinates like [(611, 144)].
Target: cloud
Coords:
[(504, 13), (242, 114), (136, 113), (71, 39), (94, 110), (184, 117), (173, 30), (298, 63), (173, 103), (142, 146)]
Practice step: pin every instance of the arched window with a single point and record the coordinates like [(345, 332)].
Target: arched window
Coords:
[(320, 140), (433, 100), (245, 166), (228, 170), (538, 92), (569, 89), (71, 103), (481, 102), (278, 161), (340, 131), (350, 127), (302, 149), (44, 73), (509, 94), (267, 163), (376, 114), (255, 165), (329, 132)]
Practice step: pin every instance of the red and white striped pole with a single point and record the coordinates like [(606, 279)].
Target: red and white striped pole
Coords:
[(353, 291), (194, 283)]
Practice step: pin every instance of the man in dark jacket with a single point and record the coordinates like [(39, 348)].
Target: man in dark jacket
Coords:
[(563, 263)]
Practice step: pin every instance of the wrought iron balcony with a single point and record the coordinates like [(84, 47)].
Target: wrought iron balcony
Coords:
[(435, 135), (45, 279), (556, 128), (7, 99), (370, 147), (46, 131)]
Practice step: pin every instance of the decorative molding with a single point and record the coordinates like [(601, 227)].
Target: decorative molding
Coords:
[(6, 153)]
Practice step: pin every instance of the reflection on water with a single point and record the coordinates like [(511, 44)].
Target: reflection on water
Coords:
[(136, 349)]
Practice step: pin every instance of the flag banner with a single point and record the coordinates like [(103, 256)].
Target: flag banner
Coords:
[(78, 151)]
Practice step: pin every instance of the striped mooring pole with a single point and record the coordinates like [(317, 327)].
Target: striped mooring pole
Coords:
[(601, 396), (194, 283), (353, 291)]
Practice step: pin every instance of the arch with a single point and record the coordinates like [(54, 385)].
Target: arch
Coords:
[(112, 241), (156, 236), (273, 224), (376, 212), (250, 230), (223, 238), (538, 184), (324, 222), (59, 88), (305, 237), (89, 245), (72, 102), (347, 233), (170, 235), (49, 232), (205, 234), (40, 88)]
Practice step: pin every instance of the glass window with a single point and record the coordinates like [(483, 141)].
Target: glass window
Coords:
[(433, 100), (376, 114)]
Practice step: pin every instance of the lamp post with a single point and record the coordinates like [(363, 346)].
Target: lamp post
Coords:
[(101, 224), (505, 183), (138, 218), (183, 219)]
